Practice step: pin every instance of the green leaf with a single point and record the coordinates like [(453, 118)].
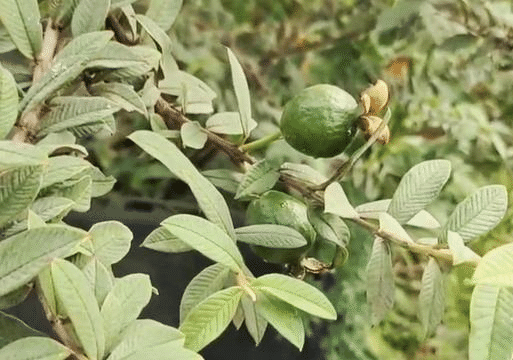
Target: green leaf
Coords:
[(303, 172), (12, 329), (193, 135), (491, 323), (460, 253), (129, 59), (398, 15), (64, 167), (111, 241), (8, 102), (297, 293), (62, 10), (261, 177), (478, 213), (89, 16), (79, 304), (47, 289), (270, 235), (329, 226), (78, 190), (194, 95), (100, 277), (424, 219), (35, 348), (149, 339), (439, 26), (34, 221), (431, 298), (501, 11), (14, 154), (15, 297), (122, 95), (380, 280), (24, 255), (18, 188), (391, 226), (21, 18), (228, 123), (283, 317), (227, 180), (372, 209), (241, 88), (6, 43), (207, 238), (162, 39), (335, 202), (67, 65), (161, 239), (101, 184), (120, 3), (123, 304), (72, 111), (209, 199), (496, 267), (418, 188), (164, 12), (207, 282), (255, 323), (207, 320)]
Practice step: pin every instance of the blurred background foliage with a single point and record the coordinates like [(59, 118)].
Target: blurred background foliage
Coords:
[(449, 64)]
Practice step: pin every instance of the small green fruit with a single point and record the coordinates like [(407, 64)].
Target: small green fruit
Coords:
[(320, 121), (275, 207)]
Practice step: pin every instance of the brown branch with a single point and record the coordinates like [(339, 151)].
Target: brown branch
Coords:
[(27, 125), (174, 119)]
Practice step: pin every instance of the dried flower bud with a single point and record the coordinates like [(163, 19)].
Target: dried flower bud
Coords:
[(375, 98)]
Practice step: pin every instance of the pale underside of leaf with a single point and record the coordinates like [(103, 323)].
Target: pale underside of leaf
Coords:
[(418, 188), (431, 297), (380, 280), (491, 323)]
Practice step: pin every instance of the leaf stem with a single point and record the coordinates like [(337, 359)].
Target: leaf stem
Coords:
[(25, 129), (261, 143)]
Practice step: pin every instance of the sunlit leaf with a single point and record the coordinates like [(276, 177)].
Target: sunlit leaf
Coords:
[(261, 177), (391, 226), (460, 253), (164, 12), (496, 267), (21, 18), (161, 239), (79, 304), (111, 241), (207, 238), (24, 255), (255, 322), (380, 280), (241, 92), (336, 202), (208, 281), (491, 323), (120, 94), (297, 293), (284, 317), (478, 213), (35, 348), (329, 226), (209, 199), (193, 135), (207, 320), (123, 304), (270, 235), (151, 340), (418, 188)]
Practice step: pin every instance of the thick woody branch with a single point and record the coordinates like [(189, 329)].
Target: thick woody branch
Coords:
[(28, 123), (174, 119)]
